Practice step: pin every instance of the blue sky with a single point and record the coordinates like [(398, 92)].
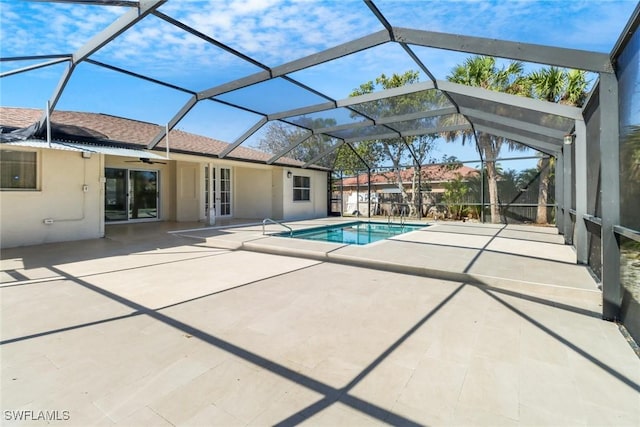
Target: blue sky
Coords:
[(272, 32)]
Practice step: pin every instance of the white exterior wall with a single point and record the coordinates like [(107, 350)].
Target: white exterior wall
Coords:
[(76, 214), (259, 191), (314, 208), (277, 184), (189, 186), (252, 192)]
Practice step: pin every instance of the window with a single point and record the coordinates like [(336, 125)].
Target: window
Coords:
[(18, 170), (301, 188)]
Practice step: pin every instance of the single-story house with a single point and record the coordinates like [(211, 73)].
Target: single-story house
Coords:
[(94, 169), (432, 176), (386, 192)]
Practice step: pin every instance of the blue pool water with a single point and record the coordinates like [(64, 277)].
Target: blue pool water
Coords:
[(354, 233)]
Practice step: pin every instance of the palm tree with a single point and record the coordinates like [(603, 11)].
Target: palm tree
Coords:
[(565, 87), (482, 71)]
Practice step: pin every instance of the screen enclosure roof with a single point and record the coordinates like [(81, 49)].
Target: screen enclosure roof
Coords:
[(242, 79)]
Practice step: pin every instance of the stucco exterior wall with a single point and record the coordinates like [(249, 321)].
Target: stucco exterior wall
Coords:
[(314, 208), (252, 193), (277, 184), (76, 214), (188, 189), (258, 191)]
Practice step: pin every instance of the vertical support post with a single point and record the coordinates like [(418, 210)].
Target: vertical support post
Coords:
[(581, 242), (610, 199), (568, 233), (329, 192), (212, 194), (419, 172), (482, 191), (369, 191), (341, 193), (559, 192), (357, 193), (48, 115), (167, 138)]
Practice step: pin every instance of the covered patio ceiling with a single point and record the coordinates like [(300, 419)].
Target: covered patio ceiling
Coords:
[(436, 105)]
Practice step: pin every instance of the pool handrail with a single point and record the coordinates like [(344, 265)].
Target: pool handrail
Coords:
[(273, 221), (403, 219)]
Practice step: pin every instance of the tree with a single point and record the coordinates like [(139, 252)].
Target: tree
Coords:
[(280, 136), (455, 192), (565, 87), (482, 71), (400, 150), (350, 158)]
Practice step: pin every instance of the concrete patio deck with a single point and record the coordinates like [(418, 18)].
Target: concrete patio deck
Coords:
[(456, 324)]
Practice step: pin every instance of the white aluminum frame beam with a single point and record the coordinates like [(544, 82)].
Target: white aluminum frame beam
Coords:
[(387, 93), (34, 67), (353, 46), (530, 142), (506, 121), (119, 26), (513, 100), (567, 200), (336, 52), (561, 57), (580, 233), (291, 146), (417, 132), (302, 111), (559, 196), (324, 154), (541, 141), (386, 120), (243, 138), (300, 64)]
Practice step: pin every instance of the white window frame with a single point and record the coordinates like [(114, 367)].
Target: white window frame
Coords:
[(301, 188)]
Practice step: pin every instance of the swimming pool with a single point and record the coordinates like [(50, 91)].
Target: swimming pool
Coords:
[(354, 233)]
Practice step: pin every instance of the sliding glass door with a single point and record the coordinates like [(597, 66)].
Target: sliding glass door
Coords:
[(131, 195)]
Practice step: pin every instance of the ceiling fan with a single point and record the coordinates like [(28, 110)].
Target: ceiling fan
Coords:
[(145, 160)]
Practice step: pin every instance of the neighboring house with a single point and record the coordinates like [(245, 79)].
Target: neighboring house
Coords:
[(95, 171), (386, 192)]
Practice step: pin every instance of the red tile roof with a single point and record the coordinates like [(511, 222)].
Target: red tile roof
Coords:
[(118, 129), (429, 173)]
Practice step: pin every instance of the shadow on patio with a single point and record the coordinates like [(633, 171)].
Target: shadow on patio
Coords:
[(187, 334)]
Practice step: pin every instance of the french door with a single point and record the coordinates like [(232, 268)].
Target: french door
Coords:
[(131, 195), (218, 190)]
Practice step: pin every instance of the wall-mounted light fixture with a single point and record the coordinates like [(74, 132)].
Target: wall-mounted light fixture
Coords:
[(86, 155), (289, 174), (568, 139)]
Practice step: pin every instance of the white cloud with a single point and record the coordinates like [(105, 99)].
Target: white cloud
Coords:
[(277, 31), (50, 28)]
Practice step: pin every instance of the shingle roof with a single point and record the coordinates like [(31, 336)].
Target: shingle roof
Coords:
[(92, 126), (430, 173)]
